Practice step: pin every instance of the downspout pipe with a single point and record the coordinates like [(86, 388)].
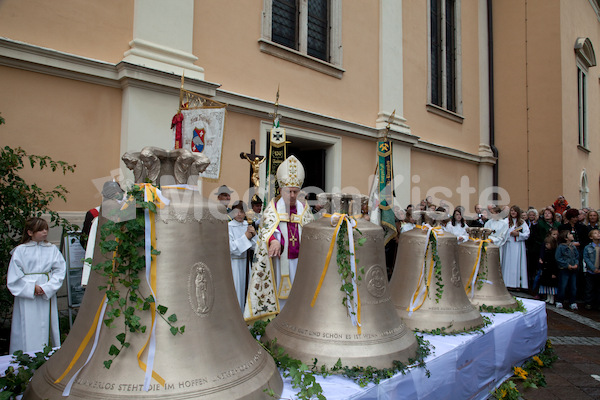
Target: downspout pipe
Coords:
[(491, 96)]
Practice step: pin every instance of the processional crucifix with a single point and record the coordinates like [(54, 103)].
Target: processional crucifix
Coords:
[(255, 160)]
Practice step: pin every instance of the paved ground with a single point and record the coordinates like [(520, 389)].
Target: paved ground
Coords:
[(575, 336)]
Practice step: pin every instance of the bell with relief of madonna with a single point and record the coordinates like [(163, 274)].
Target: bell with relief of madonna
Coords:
[(315, 323), (426, 286), (215, 357), (479, 261)]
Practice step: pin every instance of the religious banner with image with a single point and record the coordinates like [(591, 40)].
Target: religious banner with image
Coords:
[(202, 132), (385, 183), (277, 154)]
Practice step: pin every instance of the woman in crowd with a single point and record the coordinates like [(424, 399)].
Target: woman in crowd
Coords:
[(514, 257), (567, 259), (592, 220), (547, 222), (457, 226)]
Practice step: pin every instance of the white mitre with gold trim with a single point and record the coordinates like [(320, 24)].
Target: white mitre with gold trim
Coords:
[(290, 173)]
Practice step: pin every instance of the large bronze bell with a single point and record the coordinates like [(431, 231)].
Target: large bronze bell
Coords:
[(321, 326), (429, 297), (479, 261), (215, 358)]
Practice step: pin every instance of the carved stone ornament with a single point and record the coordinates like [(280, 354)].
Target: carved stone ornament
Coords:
[(152, 163)]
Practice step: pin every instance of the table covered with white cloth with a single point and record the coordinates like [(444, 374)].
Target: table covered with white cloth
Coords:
[(464, 366)]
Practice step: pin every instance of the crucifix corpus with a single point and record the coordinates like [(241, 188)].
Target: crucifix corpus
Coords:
[(255, 160)]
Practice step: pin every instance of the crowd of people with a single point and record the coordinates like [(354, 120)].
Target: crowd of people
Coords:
[(552, 252)]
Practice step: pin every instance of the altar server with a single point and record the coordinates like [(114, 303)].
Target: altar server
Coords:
[(457, 226), (35, 273), (514, 256), (242, 237)]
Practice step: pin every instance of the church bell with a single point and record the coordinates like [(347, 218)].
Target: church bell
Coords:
[(426, 286), (479, 261), (214, 358), (315, 322)]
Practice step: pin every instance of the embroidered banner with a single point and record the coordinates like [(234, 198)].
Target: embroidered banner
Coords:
[(277, 155), (385, 175), (202, 132)]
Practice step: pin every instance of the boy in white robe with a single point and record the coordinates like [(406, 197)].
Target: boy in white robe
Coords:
[(242, 237), (35, 273)]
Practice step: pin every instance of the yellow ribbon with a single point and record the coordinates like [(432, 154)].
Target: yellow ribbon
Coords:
[(338, 224), (475, 270), (151, 194), (85, 341), (420, 293)]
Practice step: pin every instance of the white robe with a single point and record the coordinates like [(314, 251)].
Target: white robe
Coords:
[(500, 227), (35, 318), (514, 258), (459, 231), (239, 244)]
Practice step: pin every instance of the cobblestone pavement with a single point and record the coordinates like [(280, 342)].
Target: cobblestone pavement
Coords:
[(575, 336)]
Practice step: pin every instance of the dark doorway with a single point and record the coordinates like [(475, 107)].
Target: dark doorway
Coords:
[(312, 155), (313, 161)]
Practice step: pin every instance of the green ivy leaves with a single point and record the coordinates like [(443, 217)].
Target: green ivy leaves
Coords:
[(125, 240)]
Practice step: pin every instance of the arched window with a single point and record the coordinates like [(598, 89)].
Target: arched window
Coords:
[(586, 58), (584, 189)]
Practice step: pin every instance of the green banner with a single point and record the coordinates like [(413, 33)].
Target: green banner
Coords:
[(386, 174)]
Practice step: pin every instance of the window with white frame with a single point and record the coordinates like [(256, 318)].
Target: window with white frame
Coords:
[(584, 189), (307, 32), (444, 55), (585, 59), (582, 105)]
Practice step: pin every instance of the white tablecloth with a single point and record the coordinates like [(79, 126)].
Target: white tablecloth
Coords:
[(461, 366)]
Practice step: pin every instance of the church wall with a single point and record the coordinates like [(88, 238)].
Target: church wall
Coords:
[(579, 20), (358, 164), (93, 29), (510, 95), (67, 120), (536, 100), (428, 126), (443, 178), (232, 57), (544, 105)]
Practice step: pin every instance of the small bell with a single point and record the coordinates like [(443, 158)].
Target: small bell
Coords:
[(479, 260), (426, 286)]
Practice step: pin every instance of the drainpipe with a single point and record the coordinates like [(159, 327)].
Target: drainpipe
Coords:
[(491, 95)]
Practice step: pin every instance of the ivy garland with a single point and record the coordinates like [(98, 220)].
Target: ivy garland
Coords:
[(303, 375), (125, 239), (443, 331), (343, 262), (437, 268), (483, 268), (15, 379), (503, 310)]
